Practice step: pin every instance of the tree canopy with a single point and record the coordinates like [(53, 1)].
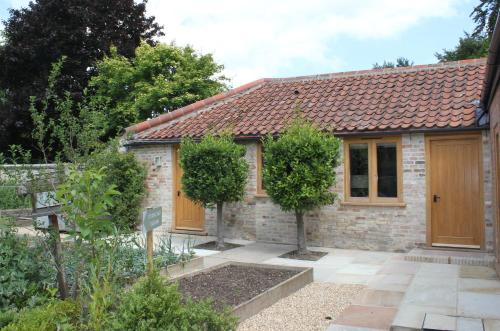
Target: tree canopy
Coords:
[(158, 79), (46, 30), (400, 62)]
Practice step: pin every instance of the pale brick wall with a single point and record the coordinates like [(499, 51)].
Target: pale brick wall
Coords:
[(337, 225), (159, 182)]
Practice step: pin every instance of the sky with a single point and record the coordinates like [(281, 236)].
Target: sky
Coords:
[(283, 38)]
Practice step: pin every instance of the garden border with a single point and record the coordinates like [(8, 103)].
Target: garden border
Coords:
[(267, 298)]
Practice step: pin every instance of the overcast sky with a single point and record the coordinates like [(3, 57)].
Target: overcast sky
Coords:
[(280, 38)]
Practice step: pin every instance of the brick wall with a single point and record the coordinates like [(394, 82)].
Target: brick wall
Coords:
[(344, 226), (159, 182)]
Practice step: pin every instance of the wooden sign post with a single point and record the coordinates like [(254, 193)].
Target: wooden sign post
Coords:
[(151, 219)]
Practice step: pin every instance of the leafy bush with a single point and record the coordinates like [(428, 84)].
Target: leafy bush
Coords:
[(299, 169), (9, 199), (27, 270), (128, 176), (53, 316), (153, 304), (7, 317)]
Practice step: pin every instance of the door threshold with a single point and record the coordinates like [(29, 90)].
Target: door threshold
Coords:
[(456, 246)]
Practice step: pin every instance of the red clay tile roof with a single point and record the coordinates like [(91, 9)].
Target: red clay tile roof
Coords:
[(411, 98)]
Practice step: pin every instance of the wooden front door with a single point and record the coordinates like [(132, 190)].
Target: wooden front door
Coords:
[(187, 214), (455, 192)]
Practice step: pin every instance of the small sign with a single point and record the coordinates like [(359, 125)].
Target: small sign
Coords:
[(151, 219)]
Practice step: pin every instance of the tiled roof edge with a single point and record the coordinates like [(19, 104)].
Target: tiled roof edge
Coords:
[(419, 67), (142, 126)]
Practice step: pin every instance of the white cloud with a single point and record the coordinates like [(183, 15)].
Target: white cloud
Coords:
[(258, 38)]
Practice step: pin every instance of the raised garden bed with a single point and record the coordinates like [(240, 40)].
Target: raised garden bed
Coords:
[(212, 246), (247, 288)]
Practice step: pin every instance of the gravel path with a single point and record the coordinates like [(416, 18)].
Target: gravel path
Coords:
[(313, 307)]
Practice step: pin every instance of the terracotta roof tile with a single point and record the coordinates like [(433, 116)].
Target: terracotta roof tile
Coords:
[(432, 96)]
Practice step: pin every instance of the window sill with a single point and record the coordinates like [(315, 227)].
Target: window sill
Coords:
[(373, 204)]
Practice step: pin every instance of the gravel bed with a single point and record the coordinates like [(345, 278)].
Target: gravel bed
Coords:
[(233, 284), (313, 307)]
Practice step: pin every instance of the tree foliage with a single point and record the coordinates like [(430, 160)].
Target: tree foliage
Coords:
[(158, 79), (485, 16), (40, 34), (400, 62), (469, 47), (127, 175), (215, 170)]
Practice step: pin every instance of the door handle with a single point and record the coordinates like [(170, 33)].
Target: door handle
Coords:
[(435, 198), (178, 193)]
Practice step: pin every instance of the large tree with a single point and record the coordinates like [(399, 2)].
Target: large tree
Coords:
[(37, 36), (475, 45), (158, 79)]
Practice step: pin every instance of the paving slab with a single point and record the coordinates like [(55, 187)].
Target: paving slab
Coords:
[(467, 271), (360, 269), (479, 285), (399, 267), (323, 273), (390, 282), (374, 257), (491, 325), (336, 327), (411, 316), (438, 270), (256, 252), (436, 292), (479, 305), (367, 317), (469, 324), (335, 261), (369, 297), (440, 322)]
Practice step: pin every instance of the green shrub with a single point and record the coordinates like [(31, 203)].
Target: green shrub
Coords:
[(55, 315), (27, 270), (9, 199), (128, 175), (7, 317), (153, 304)]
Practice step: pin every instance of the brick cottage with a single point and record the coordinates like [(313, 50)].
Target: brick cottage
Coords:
[(416, 158)]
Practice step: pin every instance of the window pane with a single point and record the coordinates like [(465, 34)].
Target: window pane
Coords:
[(358, 158), (387, 170)]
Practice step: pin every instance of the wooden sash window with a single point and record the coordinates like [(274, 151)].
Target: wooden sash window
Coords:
[(373, 171), (260, 165)]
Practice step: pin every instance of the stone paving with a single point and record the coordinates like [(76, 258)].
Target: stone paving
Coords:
[(399, 295)]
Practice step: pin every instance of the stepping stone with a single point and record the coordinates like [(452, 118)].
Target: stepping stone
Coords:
[(367, 317), (437, 322), (469, 324), (491, 325)]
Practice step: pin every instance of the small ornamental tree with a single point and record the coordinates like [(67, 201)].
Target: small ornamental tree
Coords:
[(299, 169), (215, 172)]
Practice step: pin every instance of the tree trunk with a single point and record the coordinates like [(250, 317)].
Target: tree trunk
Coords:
[(220, 227), (301, 232)]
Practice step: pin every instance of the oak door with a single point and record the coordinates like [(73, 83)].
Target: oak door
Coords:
[(456, 193), (187, 214)]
